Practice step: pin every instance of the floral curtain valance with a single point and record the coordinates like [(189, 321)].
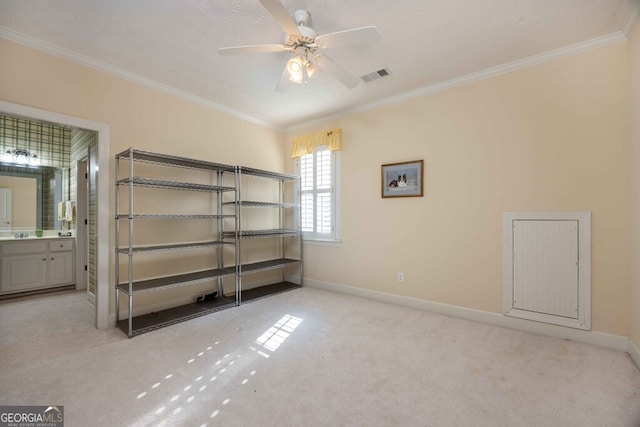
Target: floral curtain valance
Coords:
[(305, 144)]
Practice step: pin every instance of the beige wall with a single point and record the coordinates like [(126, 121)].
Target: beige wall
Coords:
[(145, 119), (23, 200), (550, 137), (634, 72), (553, 137)]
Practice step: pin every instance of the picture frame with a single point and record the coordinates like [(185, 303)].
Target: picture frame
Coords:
[(404, 179)]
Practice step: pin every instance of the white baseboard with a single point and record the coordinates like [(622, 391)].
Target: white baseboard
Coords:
[(634, 352), (602, 339)]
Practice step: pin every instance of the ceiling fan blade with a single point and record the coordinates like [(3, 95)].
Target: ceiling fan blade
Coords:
[(281, 15), (352, 37), (259, 48), (327, 64), (284, 82)]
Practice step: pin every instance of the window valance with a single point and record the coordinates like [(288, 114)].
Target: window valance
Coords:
[(305, 144)]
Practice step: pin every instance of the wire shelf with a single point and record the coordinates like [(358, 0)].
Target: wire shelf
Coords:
[(173, 216), (175, 281), (248, 234), (176, 161), (253, 204), (175, 185), (178, 246), (242, 170), (271, 264), (156, 320)]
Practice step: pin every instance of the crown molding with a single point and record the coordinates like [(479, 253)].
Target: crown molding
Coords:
[(55, 50), (60, 52), (573, 49)]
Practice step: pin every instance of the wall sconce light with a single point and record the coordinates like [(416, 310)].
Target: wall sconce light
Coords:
[(22, 157)]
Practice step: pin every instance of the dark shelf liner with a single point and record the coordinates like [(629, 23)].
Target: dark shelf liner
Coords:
[(265, 291), (177, 246), (250, 234), (175, 281), (152, 321), (160, 319), (266, 265)]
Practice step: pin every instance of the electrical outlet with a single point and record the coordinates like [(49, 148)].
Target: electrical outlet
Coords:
[(400, 277)]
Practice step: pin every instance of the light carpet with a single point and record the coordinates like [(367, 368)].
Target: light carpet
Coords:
[(307, 358)]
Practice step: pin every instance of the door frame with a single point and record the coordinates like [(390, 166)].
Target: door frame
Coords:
[(102, 203), (82, 214), (8, 194)]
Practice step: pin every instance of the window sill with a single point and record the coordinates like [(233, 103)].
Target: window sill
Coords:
[(321, 242)]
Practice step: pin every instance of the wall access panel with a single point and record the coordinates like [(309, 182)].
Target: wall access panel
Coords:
[(547, 267)]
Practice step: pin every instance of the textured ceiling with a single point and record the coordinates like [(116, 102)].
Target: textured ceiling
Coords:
[(424, 43)]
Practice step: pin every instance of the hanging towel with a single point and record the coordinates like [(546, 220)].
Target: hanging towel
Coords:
[(70, 210), (61, 212)]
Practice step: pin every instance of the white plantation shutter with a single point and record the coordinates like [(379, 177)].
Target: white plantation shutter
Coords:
[(318, 196)]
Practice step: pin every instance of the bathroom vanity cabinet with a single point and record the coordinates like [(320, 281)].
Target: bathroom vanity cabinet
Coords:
[(37, 263)]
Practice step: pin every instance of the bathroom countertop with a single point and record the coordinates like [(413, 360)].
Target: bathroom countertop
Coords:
[(32, 237)]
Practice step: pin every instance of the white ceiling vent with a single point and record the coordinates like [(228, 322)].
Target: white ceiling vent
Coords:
[(374, 75)]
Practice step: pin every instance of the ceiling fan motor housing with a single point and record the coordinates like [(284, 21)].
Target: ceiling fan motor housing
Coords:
[(307, 34), (302, 18)]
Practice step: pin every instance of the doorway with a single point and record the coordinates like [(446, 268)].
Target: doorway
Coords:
[(101, 210)]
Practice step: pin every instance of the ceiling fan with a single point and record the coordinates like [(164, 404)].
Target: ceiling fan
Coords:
[(304, 45)]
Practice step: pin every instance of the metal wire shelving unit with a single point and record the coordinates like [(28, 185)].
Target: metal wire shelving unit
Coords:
[(227, 239), (134, 325), (289, 238)]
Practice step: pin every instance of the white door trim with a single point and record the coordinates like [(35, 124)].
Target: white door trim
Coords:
[(5, 209), (82, 213), (102, 208)]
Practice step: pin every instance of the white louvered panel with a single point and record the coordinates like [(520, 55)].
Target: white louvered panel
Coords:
[(545, 266), (317, 193), (307, 212), (306, 172), (323, 170), (323, 213)]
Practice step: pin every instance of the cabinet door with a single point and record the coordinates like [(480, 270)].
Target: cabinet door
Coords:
[(24, 272), (61, 268)]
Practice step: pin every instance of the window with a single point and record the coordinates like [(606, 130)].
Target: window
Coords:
[(319, 194)]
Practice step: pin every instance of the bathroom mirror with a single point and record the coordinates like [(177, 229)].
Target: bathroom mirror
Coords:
[(35, 193)]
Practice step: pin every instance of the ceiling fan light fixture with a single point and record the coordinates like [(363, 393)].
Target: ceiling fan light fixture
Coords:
[(300, 69), (295, 66)]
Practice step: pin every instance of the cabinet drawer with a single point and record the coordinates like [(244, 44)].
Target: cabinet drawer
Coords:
[(17, 248), (61, 245)]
